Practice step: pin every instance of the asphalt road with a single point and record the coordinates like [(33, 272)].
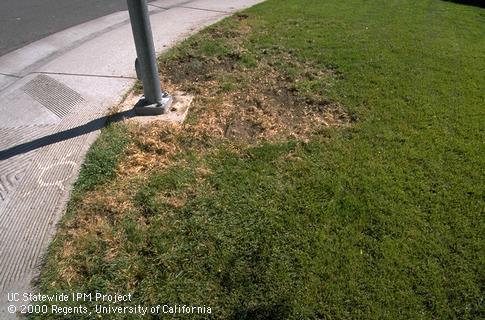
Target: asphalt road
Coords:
[(25, 21)]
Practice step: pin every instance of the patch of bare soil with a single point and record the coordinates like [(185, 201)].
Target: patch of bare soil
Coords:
[(252, 103)]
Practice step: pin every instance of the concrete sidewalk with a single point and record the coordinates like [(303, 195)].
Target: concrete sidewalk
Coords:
[(54, 95)]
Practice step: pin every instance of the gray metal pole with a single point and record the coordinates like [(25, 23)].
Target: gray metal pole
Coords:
[(155, 101)]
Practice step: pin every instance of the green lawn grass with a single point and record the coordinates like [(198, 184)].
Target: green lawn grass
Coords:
[(379, 220)]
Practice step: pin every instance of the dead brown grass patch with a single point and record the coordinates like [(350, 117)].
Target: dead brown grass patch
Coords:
[(237, 101), (152, 146)]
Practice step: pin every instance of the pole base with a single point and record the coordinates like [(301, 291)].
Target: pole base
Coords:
[(145, 108)]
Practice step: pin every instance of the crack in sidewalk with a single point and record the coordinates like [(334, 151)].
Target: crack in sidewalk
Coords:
[(10, 75), (188, 7), (83, 75)]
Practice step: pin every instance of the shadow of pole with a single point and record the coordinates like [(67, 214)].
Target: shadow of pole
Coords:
[(476, 3), (91, 126)]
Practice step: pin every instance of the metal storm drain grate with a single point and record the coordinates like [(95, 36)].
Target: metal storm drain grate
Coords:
[(52, 94)]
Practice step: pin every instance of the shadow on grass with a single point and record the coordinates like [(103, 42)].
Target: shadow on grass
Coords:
[(476, 3)]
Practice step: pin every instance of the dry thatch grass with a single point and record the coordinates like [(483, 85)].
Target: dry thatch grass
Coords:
[(152, 146)]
